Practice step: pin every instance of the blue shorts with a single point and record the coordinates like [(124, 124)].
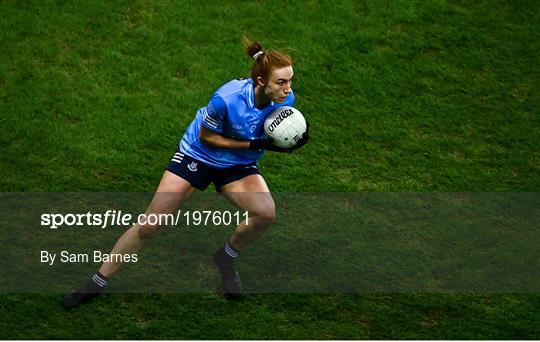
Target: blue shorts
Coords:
[(200, 175)]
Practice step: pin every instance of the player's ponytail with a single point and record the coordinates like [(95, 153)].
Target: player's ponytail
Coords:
[(252, 48), (264, 61)]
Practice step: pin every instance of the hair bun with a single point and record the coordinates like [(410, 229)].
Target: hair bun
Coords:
[(252, 48)]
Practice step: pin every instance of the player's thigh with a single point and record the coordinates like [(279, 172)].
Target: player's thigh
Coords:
[(251, 194), (172, 191)]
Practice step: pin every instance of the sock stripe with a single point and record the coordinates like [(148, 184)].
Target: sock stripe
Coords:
[(99, 280), (230, 251)]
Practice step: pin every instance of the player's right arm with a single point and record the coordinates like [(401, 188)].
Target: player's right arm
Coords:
[(217, 140), (212, 127), (211, 130)]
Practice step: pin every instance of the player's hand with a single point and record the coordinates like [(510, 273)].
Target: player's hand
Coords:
[(267, 144), (304, 140)]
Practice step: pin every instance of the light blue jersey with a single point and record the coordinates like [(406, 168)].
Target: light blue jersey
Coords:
[(231, 112)]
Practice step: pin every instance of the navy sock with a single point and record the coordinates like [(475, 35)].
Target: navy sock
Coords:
[(230, 251), (100, 280)]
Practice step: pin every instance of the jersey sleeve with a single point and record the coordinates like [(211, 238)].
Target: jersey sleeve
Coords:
[(214, 115)]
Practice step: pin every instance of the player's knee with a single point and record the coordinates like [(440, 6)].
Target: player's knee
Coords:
[(147, 231), (265, 216)]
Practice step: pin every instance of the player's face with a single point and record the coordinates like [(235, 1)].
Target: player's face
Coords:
[(279, 84)]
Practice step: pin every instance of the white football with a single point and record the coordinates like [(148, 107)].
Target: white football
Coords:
[(285, 125)]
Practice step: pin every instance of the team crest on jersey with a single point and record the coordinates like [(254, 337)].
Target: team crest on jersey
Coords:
[(192, 167), (252, 128)]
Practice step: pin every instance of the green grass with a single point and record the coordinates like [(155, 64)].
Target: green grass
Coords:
[(277, 317), (402, 96)]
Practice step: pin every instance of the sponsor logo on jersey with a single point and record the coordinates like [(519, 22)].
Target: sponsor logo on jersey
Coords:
[(284, 114)]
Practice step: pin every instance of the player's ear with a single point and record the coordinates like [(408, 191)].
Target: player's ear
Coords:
[(260, 81)]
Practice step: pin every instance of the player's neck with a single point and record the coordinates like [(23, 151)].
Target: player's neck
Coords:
[(261, 100)]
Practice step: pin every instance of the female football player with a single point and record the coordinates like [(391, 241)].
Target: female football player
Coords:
[(222, 146)]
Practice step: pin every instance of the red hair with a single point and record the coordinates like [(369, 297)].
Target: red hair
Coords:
[(265, 61)]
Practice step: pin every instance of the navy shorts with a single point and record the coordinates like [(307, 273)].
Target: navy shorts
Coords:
[(200, 175)]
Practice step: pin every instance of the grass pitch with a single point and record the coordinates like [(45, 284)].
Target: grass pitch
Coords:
[(402, 96)]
